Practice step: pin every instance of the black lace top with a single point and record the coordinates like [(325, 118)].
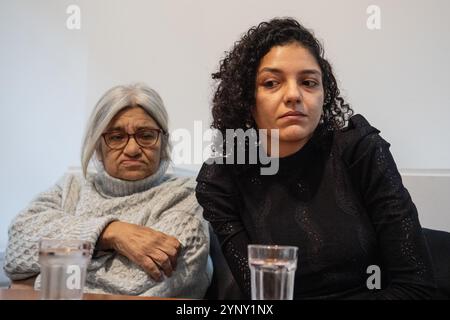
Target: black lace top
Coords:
[(341, 200)]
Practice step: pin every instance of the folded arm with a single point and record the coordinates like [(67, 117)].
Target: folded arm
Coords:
[(45, 217)]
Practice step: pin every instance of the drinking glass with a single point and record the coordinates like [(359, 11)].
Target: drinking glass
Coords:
[(63, 268), (272, 271)]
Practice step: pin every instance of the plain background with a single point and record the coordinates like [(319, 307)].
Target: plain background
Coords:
[(51, 77)]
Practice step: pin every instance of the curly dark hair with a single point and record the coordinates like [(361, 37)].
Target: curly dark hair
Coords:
[(235, 92)]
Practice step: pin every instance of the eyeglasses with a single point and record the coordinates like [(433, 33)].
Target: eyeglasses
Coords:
[(145, 138)]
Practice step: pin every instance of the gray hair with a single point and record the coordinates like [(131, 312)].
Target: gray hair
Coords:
[(114, 100)]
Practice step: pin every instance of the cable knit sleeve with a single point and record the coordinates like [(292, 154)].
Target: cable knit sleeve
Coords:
[(50, 215)]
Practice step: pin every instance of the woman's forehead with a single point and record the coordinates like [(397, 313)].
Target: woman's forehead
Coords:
[(132, 117), (288, 56)]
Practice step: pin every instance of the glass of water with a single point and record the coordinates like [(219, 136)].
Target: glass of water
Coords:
[(63, 268), (272, 271)]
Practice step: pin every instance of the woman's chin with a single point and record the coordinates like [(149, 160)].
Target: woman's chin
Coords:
[(133, 175), (293, 134)]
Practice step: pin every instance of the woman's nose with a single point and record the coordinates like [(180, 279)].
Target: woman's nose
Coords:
[(292, 94), (132, 148)]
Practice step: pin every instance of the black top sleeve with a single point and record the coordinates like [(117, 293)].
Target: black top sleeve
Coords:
[(218, 196), (402, 247)]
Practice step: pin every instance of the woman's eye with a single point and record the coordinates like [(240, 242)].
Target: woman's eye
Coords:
[(310, 83), (270, 83), (117, 137), (147, 135)]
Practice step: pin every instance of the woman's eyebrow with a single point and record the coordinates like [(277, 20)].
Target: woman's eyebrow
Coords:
[(271, 70), (115, 128), (312, 72), (145, 127), (306, 71), (120, 128)]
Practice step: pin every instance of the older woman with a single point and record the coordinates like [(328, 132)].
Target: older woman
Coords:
[(337, 195), (145, 225)]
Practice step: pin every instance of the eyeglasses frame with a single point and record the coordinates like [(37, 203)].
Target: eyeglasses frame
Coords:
[(160, 132)]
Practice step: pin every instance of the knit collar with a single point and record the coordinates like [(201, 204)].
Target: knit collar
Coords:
[(114, 187)]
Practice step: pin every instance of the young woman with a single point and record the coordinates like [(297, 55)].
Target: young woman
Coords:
[(337, 195)]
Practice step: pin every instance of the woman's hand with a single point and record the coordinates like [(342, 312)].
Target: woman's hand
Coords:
[(154, 251)]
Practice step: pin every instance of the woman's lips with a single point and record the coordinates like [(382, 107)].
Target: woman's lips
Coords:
[(293, 116), (129, 163)]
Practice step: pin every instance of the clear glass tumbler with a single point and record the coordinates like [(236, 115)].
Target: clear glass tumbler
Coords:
[(272, 271), (63, 268)]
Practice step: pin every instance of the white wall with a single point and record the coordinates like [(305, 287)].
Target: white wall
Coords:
[(429, 190), (43, 82), (50, 77)]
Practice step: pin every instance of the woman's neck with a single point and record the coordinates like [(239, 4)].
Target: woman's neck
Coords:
[(114, 187), (285, 148)]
